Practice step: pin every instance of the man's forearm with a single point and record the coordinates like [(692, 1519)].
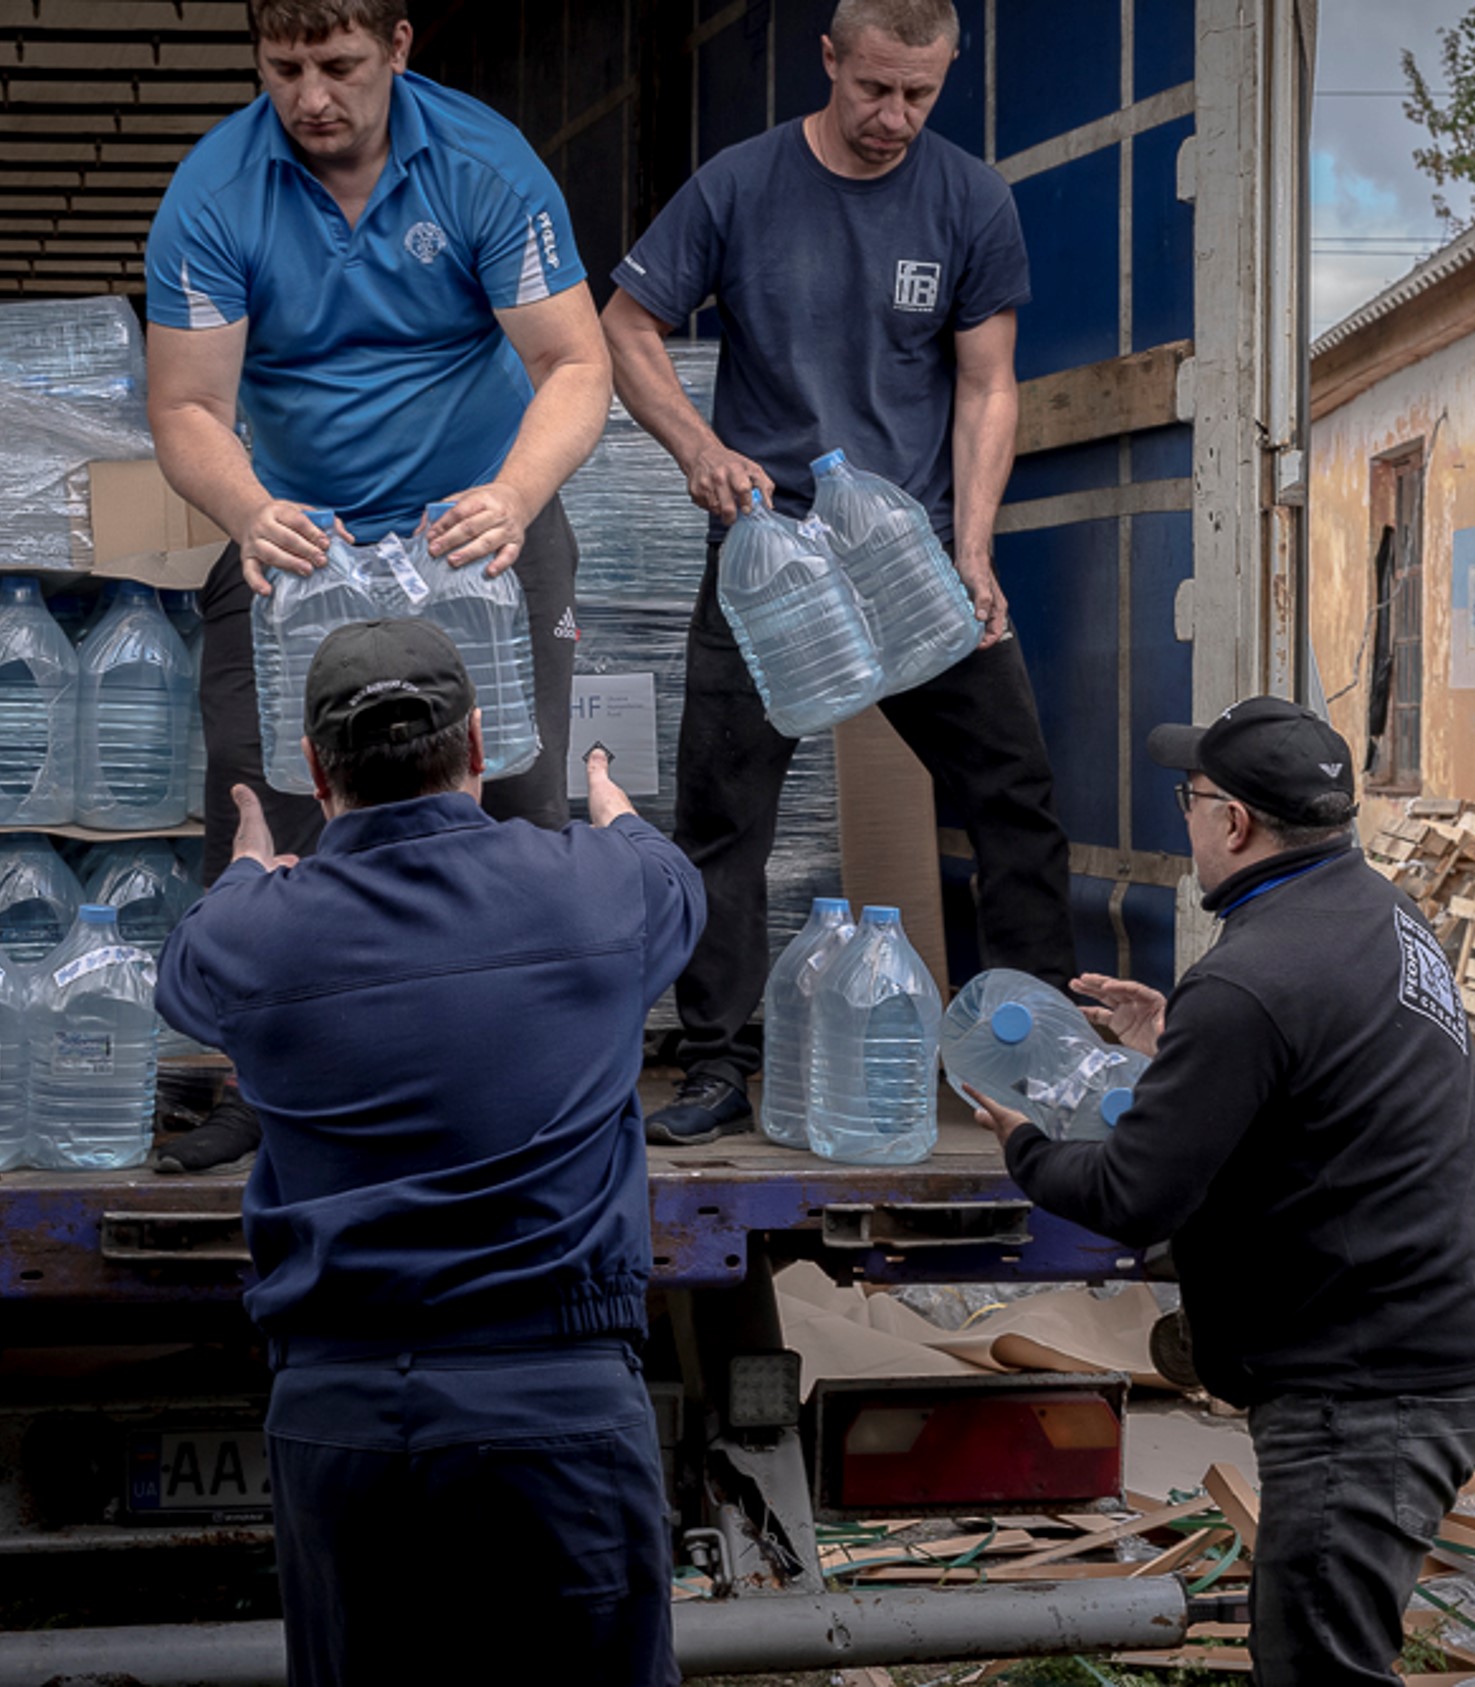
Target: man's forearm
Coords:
[(984, 424), (559, 429), (206, 464), (651, 390)]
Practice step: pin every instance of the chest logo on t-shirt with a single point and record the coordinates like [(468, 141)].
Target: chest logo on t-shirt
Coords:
[(1425, 982), (917, 284), (425, 241)]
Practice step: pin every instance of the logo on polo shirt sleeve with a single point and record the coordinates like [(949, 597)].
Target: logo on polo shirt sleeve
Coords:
[(425, 241), (917, 285), (1425, 982)]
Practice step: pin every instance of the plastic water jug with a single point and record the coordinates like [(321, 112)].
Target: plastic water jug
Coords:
[(143, 883), (286, 629), (1025, 1045), (920, 613), (873, 1059), (133, 717), (797, 621), (39, 898), (788, 1001), (90, 1047), (13, 1126), (147, 886), (38, 710), (487, 620), (195, 647)]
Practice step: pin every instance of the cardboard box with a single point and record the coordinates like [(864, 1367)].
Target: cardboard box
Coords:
[(888, 833), (143, 530)]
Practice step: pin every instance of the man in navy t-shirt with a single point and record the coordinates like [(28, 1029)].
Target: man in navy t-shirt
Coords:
[(382, 273), (866, 275)]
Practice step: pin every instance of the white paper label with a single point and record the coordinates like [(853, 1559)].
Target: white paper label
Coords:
[(412, 582)]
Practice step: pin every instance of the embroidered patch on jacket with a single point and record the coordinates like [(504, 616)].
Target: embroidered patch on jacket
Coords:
[(1425, 983), (425, 241), (917, 285)]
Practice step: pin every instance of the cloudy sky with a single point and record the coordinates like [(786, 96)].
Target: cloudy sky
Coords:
[(1372, 218)]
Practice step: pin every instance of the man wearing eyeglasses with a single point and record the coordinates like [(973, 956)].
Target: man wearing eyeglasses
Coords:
[(1303, 1136)]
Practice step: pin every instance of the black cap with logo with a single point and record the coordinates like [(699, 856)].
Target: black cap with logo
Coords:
[(384, 682), (1270, 753)]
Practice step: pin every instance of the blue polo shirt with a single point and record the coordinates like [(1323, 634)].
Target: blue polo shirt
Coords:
[(376, 378)]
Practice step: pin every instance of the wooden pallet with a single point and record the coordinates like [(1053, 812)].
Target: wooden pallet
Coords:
[(1429, 853)]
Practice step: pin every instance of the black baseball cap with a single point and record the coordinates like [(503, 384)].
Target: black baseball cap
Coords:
[(1270, 753), (384, 682)]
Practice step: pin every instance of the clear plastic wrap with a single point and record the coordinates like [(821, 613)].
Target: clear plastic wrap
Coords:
[(628, 637), (639, 533), (71, 391)]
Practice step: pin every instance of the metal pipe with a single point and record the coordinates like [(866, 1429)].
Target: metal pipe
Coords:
[(729, 1637), (245, 1654), (1001, 1620)]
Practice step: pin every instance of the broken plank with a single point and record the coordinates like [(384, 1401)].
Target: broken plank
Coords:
[(1236, 1499), (1189, 1547), (1119, 1532), (1232, 1660)]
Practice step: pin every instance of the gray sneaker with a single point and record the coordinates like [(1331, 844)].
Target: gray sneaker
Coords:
[(705, 1109)]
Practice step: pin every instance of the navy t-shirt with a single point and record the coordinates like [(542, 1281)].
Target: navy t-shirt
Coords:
[(839, 300)]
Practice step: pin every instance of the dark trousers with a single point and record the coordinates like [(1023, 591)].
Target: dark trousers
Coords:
[(546, 569), (1351, 1493), (976, 731), (466, 1510)]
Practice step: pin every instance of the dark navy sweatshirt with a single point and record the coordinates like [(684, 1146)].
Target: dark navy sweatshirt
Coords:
[(439, 1019)]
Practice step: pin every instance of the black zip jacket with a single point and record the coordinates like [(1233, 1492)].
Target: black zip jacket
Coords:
[(1304, 1137)]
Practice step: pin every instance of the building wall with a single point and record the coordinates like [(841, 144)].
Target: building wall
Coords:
[(1430, 404)]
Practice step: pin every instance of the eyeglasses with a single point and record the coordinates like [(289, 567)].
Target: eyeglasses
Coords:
[(1186, 795)]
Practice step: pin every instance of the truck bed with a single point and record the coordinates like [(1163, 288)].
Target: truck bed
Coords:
[(135, 1239)]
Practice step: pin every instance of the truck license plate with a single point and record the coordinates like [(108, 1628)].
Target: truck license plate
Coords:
[(205, 1472)]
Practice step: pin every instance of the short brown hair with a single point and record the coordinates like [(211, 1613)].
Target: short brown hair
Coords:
[(316, 20), (915, 23)]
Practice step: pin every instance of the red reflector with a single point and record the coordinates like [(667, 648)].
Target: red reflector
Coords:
[(974, 1451)]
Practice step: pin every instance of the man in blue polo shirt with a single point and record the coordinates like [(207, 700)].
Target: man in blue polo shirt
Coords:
[(381, 274), (866, 274)]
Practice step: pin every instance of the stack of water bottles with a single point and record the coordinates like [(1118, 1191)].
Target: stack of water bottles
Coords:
[(855, 602), (99, 734), (1027, 1046), (79, 1037), (486, 618), (851, 1023)]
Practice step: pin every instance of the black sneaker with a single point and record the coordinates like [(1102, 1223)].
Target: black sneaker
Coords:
[(224, 1143), (704, 1109)]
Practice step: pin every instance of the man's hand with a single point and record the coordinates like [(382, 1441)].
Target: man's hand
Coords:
[(1002, 1121), (722, 481), (606, 799), (490, 520), (1133, 1012), (253, 840), (279, 535), (989, 603)]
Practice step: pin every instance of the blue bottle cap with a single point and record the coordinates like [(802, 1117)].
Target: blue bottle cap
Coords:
[(433, 512), (1114, 1103), (830, 460), (322, 519), (19, 585), (755, 502), (878, 914), (136, 589), (1011, 1022), (96, 914), (830, 905)]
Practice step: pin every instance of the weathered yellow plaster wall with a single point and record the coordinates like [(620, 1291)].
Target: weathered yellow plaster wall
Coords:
[(1432, 401)]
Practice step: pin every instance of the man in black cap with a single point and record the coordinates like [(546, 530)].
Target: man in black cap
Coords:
[(438, 1017), (1303, 1136)]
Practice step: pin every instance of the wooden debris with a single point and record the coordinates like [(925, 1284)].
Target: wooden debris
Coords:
[(1236, 1499), (1429, 851)]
